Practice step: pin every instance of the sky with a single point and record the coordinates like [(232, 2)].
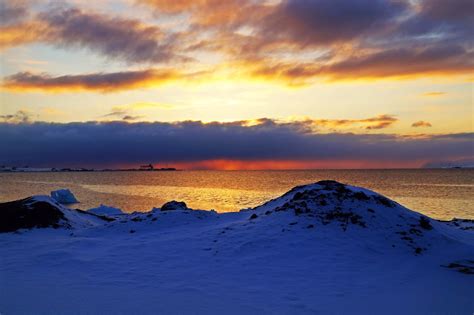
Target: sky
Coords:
[(236, 84)]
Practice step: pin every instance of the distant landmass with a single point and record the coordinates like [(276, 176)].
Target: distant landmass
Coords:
[(142, 168), (465, 163)]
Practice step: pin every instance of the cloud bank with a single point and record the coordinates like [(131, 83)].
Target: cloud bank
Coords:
[(126, 144)]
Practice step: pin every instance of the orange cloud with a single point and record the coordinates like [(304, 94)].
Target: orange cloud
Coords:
[(385, 64), (404, 63), (20, 34), (21, 116), (310, 125), (421, 123), (173, 7), (293, 74), (434, 94), (377, 122), (210, 13)]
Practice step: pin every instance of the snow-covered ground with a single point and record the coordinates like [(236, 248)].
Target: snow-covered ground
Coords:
[(324, 248)]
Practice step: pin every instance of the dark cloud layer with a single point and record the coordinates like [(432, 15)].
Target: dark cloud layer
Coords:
[(121, 143), (364, 39), (444, 18), (320, 22), (125, 39), (103, 82), (405, 62), (12, 11)]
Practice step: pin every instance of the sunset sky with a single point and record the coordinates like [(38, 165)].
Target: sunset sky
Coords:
[(236, 84)]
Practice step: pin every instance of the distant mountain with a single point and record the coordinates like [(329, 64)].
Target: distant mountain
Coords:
[(464, 163)]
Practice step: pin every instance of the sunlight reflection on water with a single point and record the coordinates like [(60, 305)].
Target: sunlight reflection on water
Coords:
[(206, 198), (439, 193)]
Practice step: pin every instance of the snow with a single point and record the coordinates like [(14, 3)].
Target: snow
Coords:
[(64, 196), (321, 248), (106, 210), (72, 218)]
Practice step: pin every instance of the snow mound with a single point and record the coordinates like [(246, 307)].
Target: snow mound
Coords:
[(43, 212), (322, 248), (105, 210), (64, 196), (348, 208), (332, 207)]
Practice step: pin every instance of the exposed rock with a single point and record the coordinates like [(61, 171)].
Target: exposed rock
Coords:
[(464, 266), (44, 212), (384, 201), (174, 205), (329, 203), (425, 223), (462, 224), (29, 213)]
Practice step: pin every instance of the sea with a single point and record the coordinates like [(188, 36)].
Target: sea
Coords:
[(438, 193)]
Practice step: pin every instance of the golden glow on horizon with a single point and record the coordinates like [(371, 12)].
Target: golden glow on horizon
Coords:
[(233, 165)]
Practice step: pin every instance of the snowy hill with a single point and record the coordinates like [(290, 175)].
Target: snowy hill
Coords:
[(43, 212), (320, 248)]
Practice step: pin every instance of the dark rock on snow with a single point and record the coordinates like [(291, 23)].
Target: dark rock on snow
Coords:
[(29, 213), (174, 205), (464, 266), (40, 212)]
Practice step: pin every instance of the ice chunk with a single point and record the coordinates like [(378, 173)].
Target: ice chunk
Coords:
[(63, 196), (105, 210)]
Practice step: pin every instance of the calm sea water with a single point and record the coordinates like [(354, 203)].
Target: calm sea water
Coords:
[(441, 194)]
